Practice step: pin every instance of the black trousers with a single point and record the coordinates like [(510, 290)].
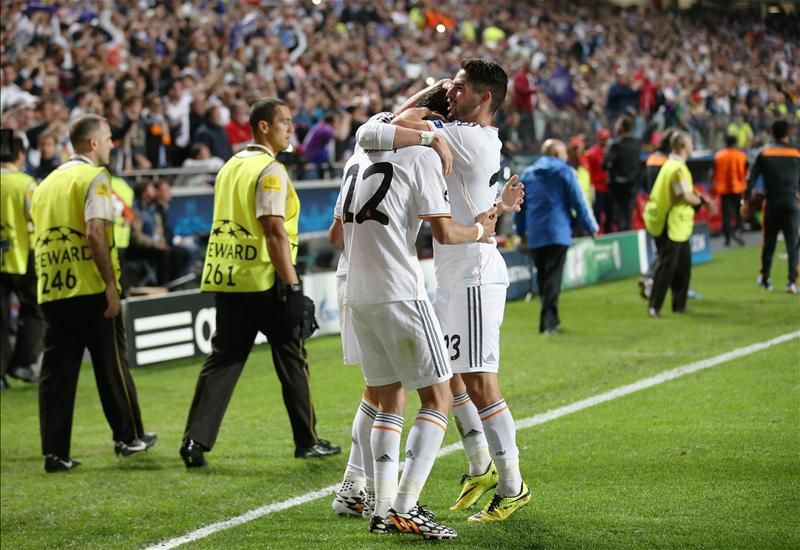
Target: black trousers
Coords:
[(730, 209), (240, 316), (73, 325), (30, 322), (622, 198), (782, 216), (549, 262), (604, 211), (673, 271)]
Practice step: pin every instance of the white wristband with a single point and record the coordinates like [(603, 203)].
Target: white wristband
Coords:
[(480, 231), (426, 138)]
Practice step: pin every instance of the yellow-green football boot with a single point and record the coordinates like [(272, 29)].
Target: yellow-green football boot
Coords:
[(474, 487), (501, 507)]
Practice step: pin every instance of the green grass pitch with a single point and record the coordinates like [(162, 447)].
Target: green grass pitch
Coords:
[(710, 460)]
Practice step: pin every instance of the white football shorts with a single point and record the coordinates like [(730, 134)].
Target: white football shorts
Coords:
[(401, 342), (350, 350), (471, 319)]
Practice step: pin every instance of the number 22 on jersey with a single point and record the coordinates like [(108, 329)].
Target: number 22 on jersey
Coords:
[(369, 211)]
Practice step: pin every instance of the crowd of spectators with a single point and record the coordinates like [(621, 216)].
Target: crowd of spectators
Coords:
[(175, 79)]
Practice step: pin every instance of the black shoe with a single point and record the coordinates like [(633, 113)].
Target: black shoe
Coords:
[(52, 463), (136, 445), (320, 448), (192, 454), (25, 374)]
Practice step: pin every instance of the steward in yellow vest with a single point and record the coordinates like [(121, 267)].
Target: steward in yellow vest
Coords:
[(15, 193), (122, 193), (17, 274), (669, 218), (73, 212), (249, 264), (237, 259), (64, 261)]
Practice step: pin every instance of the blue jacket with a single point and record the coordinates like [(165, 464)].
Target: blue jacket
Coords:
[(551, 194)]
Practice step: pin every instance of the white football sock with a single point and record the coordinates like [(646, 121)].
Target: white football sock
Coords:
[(470, 429), (385, 442), (423, 443), (501, 434), (362, 431), (354, 472)]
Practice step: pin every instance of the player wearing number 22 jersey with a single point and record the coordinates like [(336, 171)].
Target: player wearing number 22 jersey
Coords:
[(386, 195)]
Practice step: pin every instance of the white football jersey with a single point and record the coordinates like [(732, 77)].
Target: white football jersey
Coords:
[(385, 195), (472, 189), (341, 267)]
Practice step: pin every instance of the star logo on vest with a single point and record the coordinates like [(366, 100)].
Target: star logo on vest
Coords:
[(231, 228), (59, 234)]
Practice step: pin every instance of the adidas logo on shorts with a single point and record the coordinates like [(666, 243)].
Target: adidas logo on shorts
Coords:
[(384, 458)]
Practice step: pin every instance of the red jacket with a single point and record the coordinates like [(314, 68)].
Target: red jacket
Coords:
[(594, 163)]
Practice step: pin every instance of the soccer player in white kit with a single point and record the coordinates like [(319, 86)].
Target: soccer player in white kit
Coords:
[(356, 494), (386, 195), (472, 281)]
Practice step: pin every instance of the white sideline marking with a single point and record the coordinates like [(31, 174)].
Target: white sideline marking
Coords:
[(536, 420)]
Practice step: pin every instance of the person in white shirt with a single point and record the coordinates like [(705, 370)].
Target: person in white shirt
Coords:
[(472, 277), (356, 494), (386, 195)]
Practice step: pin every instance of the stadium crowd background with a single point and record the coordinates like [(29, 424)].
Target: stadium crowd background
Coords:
[(169, 75), (175, 80)]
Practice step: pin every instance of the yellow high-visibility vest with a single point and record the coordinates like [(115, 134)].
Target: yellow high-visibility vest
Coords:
[(15, 186), (236, 258), (664, 209), (122, 228), (64, 263)]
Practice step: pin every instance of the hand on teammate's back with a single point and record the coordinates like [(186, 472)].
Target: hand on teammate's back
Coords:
[(512, 195), (488, 220)]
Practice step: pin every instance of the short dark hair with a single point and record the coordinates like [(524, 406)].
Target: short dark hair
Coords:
[(485, 74), (731, 140), (435, 99), (624, 124), (780, 129), (195, 149), (83, 129), (264, 109), (663, 143), (12, 146)]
